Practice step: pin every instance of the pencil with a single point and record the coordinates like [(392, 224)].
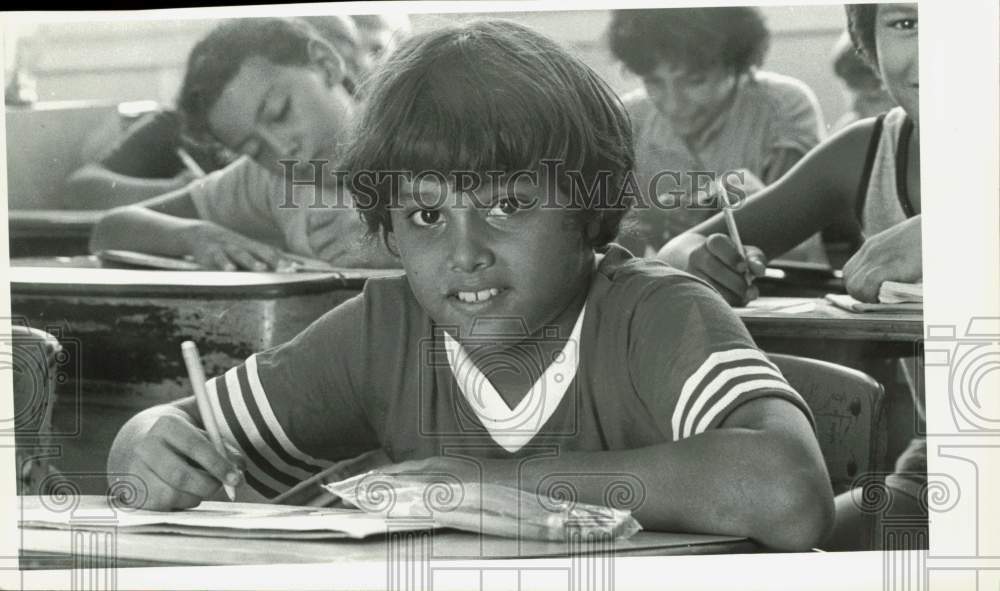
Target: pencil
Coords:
[(734, 232), (197, 374), (189, 163)]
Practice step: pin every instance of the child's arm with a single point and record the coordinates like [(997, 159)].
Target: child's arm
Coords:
[(890, 255), (816, 192), (169, 225), (759, 475), (167, 450), (94, 186)]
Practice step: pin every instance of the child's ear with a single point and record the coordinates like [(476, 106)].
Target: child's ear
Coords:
[(329, 61)]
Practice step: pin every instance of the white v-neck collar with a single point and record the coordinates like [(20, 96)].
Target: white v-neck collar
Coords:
[(510, 428)]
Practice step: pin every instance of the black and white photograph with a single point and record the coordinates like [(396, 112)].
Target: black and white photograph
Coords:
[(519, 295)]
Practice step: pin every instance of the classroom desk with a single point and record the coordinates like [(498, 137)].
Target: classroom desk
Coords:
[(121, 332), (50, 232), (815, 318)]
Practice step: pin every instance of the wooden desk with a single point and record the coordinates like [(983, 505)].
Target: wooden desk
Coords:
[(121, 332), (777, 317), (50, 232)]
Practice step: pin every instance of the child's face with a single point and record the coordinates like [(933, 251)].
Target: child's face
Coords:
[(511, 253), (272, 112), (689, 99), (896, 49)]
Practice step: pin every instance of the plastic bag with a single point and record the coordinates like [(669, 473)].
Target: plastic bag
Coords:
[(483, 508)]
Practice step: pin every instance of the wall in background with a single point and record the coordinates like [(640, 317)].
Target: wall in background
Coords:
[(136, 60)]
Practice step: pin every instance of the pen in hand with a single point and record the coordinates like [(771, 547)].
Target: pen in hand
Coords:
[(197, 375), (734, 232)]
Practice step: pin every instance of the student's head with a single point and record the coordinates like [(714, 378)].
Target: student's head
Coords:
[(886, 34), (495, 99), (689, 58), (381, 33), (863, 88), (267, 87), (343, 35)]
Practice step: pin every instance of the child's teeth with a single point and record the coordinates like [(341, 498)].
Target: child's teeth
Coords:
[(472, 297)]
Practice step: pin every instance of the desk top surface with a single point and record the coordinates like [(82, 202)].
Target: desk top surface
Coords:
[(818, 318)]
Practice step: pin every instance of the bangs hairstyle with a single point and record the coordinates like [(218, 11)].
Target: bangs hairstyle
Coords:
[(493, 96), (217, 58), (691, 39), (861, 26)]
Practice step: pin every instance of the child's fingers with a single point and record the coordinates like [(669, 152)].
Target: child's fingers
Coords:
[(723, 248), (730, 283), (195, 444), (163, 497), (244, 259), (181, 476), (757, 261), (264, 253), (215, 258)]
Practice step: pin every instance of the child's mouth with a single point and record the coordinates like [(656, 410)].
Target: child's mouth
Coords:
[(478, 296)]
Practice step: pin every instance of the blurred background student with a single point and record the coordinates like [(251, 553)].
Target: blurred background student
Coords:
[(705, 106), (147, 161), (864, 92), (272, 90)]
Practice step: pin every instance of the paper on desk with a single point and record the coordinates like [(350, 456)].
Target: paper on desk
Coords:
[(894, 292), (850, 304), (217, 519)]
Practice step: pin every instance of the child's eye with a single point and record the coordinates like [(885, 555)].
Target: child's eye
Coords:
[(904, 24), (508, 205), (425, 217), (286, 107)]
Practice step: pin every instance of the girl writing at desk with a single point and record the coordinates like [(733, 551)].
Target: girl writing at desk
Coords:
[(519, 336), (868, 174)]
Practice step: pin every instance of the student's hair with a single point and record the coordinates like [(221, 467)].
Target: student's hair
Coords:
[(861, 25), (493, 96), (217, 58), (850, 66), (692, 39)]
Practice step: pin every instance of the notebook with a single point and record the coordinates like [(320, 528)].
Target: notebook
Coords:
[(299, 264)]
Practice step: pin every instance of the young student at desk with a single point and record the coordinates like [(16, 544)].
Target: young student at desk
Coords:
[(271, 89), (871, 172), (518, 331)]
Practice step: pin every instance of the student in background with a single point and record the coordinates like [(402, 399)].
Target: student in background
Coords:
[(145, 162), (870, 171), (863, 91), (269, 89), (381, 34), (705, 106), (644, 369)]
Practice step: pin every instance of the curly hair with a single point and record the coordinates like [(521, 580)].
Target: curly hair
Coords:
[(693, 39), (487, 96), (861, 25)]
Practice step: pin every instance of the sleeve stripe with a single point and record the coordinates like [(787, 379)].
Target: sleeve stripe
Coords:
[(737, 391), (693, 382), (262, 435), (720, 383), (296, 456), (226, 385)]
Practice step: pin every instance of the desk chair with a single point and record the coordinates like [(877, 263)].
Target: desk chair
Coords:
[(850, 423), (33, 359), (848, 407)]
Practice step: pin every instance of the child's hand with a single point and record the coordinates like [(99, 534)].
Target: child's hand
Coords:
[(215, 247), (717, 260), (177, 463), (890, 255)]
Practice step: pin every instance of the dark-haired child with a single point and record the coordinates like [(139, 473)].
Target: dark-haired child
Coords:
[(705, 107), (270, 89), (868, 175), (520, 344)]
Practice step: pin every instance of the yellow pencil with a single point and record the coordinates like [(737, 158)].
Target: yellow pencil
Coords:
[(197, 374)]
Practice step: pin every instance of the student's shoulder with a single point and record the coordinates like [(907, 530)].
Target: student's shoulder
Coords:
[(783, 94), (633, 282)]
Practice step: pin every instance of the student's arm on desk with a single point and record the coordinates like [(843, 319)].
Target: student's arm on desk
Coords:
[(756, 476), (169, 225), (819, 190), (166, 448), (93, 186)]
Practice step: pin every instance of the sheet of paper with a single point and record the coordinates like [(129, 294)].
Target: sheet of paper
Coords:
[(218, 519), (850, 304)]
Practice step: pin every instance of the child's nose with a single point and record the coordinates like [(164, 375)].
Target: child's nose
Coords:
[(470, 250)]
